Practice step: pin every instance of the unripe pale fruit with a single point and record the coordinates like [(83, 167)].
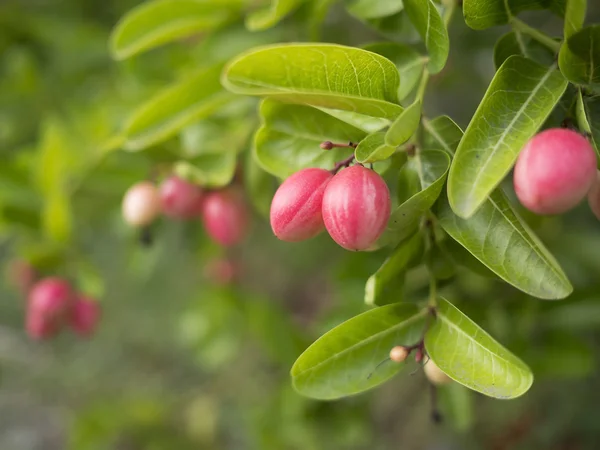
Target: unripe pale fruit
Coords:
[(356, 207), (399, 354), (594, 196), (434, 374), (554, 171), (85, 316), (48, 306), (226, 216), (180, 199), (141, 204), (296, 207)]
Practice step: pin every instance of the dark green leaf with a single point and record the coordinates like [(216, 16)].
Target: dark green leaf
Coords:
[(317, 75), (516, 104), (470, 356), (579, 57), (517, 43), (344, 361), (588, 118), (481, 14), (442, 134)]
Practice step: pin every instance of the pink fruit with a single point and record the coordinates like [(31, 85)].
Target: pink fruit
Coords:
[(141, 204), (356, 207), (594, 196), (85, 316), (225, 216), (554, 171), (296, 207), (180, 199), (221, 271), (48, 306)]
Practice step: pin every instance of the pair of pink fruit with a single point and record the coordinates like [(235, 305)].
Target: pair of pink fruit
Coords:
[(51, 305), (353, 206), (224, 212)]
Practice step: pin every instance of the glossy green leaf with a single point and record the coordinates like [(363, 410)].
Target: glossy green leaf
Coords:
[(317, 75), (574, 16), (517, 43), (373, 148), (366, 123), (481, 14), (442, 133), (157, 22), (408, 61), (428, 22), (344, 361), (260, 185), (588, 118), (402, 129), (579, 57), (371, 9), (175, 107), (517, 102), (387, 284), (470, 356), (210, 170), (430, 168), (503, 242), (290, 136), (271, 15)]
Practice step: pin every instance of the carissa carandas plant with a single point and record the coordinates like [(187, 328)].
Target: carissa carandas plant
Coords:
[(356, 113)]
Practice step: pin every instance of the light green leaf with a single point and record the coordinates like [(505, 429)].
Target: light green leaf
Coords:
[(57, 216), (387, 284), (366, 123), (344, 361), (260, 185), (428, 22), (372, 9), (482, 14), (402, 129), (579, 57), (271, 15), (157, 22), (290, 136), (517, 43), (207, 137), (408, 61), (574, 16), (210, 170), (318, 75), (456, 404), (443, 134), (373, 148), (430, 169), (175, 107), (470, 356), (502, 241), (517, 102)]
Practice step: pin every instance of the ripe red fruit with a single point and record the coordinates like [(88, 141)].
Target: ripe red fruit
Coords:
[(554, 171), (225, 216), (356, 207), (85, 316), (594, 196), (48, 306), (296, 207), (141, 204), (179, 198)]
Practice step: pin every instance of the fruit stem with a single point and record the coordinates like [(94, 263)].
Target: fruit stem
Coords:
[(542, 38), (344, 163), (328, 145)]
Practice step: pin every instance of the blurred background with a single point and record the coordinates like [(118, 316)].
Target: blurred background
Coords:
[(184, 359)]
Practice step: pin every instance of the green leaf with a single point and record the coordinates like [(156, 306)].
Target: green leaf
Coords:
[(210, 170), (260, 185), (397, 27), (271, 15), (57, 216), (456, 404), (344, 361), (579, 57), (519, 99), (588, 118), (387, 284), (502, 241), (442, 133), (460, 256), (157, 22), (428, 22), (402, 129), (175, 107), (517, 43), (575, 355), (318, 75), (430, 169), (373, 148), (290, 136), (408, 61), (372, 9), (470, 356), (366, 123), (482, 14), (574, 16), (207, 137)]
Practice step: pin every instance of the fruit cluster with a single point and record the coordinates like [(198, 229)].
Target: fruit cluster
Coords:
[(353, 205), (224, 212)]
